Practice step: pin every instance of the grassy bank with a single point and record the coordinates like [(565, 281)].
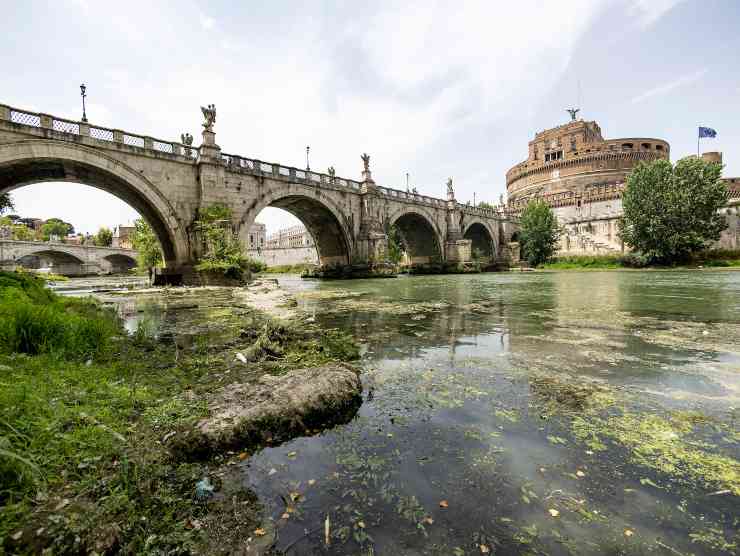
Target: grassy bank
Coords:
[(286, 269), (713, 258), (83, 411)]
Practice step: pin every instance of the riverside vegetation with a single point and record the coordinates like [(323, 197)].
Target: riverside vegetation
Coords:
[(84, 408)]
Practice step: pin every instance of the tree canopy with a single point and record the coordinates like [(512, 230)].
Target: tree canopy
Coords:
[(223, 251), (56, 227), (670, 212), (539, 233), (145, 241), (104, 238), (6, 203)]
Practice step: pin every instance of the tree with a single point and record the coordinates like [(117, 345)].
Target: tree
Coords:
[(485, 205), (6, 203), (56, 227), (223, 252), (21, 232), (539, 232), (670, 212), (145, 241), (104, 238), (395, 245)]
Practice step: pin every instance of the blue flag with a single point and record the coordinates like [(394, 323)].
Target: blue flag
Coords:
[(707, 132)]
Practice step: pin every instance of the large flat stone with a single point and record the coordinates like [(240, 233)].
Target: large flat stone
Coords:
[(247, 416)]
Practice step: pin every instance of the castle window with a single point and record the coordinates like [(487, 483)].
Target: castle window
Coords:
[(646, 146), (658, 147), (627, 146)]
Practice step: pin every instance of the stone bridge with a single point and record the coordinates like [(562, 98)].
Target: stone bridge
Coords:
[(168, 182), (64, 258)]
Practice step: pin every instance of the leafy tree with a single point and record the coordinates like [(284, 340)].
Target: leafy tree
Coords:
[(56, 227), (670, 211), (395, 245), (485, 205), (21, 232), (104, 238), (145, 241), (539, 233), (223, 252), (6, 203)]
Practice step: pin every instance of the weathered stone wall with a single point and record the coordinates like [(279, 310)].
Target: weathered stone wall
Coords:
[(279, 256)]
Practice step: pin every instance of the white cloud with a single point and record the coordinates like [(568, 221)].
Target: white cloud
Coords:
[(208, 23), (670, 86), (648, 12)]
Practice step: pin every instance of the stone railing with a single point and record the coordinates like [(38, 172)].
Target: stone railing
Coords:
[(237, 163), (66, 127)]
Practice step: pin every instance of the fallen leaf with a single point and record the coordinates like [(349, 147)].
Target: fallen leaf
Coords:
[(272, 471), (361, 524), (327, 530), (428, 520), (243, 456), (295, 496), (311, 482), (553, 512), (484, 549), (292, 454), (443, 504), (17, 536), (580, 473), (260, 532), (286, 515), (62, 504), (628, 532)]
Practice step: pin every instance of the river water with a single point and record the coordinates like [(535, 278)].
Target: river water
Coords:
[(515, 413)]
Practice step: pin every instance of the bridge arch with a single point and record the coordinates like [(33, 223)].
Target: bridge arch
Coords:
[(118, 262), (321, 216), (35, 161), (60, 261), (419, 233), (483, 239)]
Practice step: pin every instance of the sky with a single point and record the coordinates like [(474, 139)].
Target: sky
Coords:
[(435, 89)]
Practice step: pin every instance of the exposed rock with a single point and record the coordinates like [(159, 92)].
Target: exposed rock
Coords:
[(272, 410)]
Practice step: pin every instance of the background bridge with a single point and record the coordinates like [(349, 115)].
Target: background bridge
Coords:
[(168, 182), (66, 259)]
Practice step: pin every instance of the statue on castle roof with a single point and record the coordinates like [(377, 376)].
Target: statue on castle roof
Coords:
[(366, 161), (501, 199), (331, 171), (573, 113), (209, 113), (450, 190)]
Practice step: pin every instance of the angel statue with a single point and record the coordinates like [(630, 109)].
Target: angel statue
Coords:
[(366, 161), (332, 172), (187, 140), (209, 113), (450, 191), (501, 199), (573, 113)]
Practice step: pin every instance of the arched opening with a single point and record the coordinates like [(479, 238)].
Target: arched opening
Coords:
[(294, 230), (418, 238), (483, 246), (55, 262), (23, 164), (117, 264)]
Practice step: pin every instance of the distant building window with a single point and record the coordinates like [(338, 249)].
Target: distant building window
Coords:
[(627, 146), (646, 146), (658, 147)]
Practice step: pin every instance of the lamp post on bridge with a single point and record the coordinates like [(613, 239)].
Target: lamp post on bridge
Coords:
[(308, 167), (83, 93)]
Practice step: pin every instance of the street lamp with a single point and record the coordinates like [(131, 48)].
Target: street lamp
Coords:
[(308, 148), (83, 94)]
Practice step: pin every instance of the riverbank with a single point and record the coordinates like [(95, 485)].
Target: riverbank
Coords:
[(709, 259), (90, 416)]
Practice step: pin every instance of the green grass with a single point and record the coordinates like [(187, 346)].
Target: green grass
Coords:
[(84, 408), (709, 258), (286, 268)]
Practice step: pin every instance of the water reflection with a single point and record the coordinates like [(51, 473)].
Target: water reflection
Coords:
[(464, 440)]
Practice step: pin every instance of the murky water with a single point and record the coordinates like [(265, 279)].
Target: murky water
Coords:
[(535, 413)]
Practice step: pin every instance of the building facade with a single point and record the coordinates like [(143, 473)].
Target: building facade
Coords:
[(582, 176), (288, 246)]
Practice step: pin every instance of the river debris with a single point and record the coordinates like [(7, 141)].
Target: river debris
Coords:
[(272, 410)]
